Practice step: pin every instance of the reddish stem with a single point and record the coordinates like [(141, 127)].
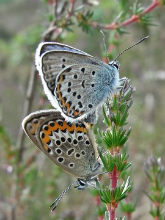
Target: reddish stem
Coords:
[(114, 178), (111, 208), (97, 200), (98, 203), (154, 4), (101, 217), (109, 211), (129, 215), (131, 20), (112, 213)]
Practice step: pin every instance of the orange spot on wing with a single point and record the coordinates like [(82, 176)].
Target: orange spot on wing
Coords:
[(67, 106), (76, 113), (62, 127), (33, 128), (71, 128), (60, 78), (45, 147), (62, 102), (46, 138), (81, 129), (58, 87)]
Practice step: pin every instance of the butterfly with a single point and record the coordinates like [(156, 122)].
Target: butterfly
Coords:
[(69, 145), (75, 82)]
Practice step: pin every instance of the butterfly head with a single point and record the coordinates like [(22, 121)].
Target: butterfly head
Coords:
[(84, 183), (114, 64)]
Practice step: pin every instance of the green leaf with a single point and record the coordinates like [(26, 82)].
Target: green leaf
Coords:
[(107, 121), (119, 193)]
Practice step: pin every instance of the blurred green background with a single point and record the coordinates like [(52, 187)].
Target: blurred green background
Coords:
[(21, 26)]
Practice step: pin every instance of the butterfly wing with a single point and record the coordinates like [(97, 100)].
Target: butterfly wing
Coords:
[(81, 88), (68, 145), (50, 59), (91, 79)]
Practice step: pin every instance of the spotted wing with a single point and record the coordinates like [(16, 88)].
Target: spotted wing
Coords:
[(68, 145), (53, 59), (81, 88)]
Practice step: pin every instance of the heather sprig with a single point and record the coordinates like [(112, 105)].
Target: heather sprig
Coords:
[(155, 172), (115, 113)]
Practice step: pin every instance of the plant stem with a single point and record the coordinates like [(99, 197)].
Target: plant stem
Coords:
[(72, 3), (111, 208), (129, 216), (101, 217), (154, 4), (109, 211), (114, 178), (26, 109), (112, 213), (131, 20)]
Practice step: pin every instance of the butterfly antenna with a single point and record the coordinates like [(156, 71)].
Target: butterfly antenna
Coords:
[(56, 201), (105, 47), (131, 47)]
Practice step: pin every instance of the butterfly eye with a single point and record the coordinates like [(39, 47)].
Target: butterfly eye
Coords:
[(117, 67), (115, 64), (81, 182)]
